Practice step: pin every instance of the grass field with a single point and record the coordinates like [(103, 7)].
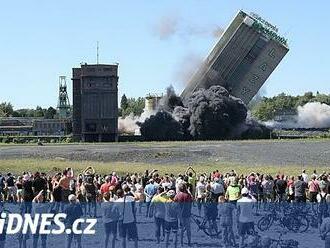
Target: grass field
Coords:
[(17, 166)]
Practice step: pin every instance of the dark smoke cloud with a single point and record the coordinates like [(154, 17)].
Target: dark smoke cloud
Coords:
[(170, 100), (182, 115), (214, 113), (207, 114), (161, 127)]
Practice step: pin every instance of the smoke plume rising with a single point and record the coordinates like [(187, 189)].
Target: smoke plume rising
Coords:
[(166, 27), (311, 115), (186, 67), (170, 25), (128, 125)]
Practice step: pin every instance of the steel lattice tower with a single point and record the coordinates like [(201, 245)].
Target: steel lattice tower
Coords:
[(63, 105)]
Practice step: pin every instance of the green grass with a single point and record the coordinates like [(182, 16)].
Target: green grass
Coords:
[(17, 166)]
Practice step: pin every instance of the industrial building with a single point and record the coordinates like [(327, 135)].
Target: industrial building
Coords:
[(152, 102), (247, 53), (29, 126), (95, 103)]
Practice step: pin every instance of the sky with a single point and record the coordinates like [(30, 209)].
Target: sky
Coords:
[(156, 43)]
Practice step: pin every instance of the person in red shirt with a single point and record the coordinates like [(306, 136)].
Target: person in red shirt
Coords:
[(105, 186), (185, 199)]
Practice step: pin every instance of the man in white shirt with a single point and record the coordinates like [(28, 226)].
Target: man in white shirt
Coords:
[(217, 189), (245, 215), (304, 176), (110, 216), (127, 219), (200, 193)]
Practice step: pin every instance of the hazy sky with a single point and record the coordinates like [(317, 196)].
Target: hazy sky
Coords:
[(156, 43)]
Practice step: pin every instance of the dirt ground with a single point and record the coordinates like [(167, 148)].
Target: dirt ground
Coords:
[(262, 152)]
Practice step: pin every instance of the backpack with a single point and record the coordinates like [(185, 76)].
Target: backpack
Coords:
[(323, 206)]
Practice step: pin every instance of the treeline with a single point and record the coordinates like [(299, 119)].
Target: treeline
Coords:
[(270, 107), (131, 105), (7, 110)]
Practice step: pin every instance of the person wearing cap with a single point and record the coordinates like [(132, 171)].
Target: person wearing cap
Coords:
[(171, 218), (73, 212), (245, 215)]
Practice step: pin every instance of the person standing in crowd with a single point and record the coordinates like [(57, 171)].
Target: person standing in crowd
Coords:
[(127, 221), (73, 211), (91, 194), (106, 185), (150, 190), (171, 218), (39, 206), (110, 218), (267, 187), (313, 188), (304, 176), (280, 188), (11, 188), (217, 188), (57, 192), (226, 220), (245, 215), (200, 193), (323, 199), (325, 230), (233, 192), (300, 187), (192, 179), (64, 183), (2, 186), (291, 189), (157, 209), (19, 186), (39, 184), (28, 193), (140, 197), (185, 200)]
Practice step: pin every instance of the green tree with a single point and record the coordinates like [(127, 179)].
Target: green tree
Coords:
[(124, 102), (135, 106), (6, 109), (39, 112), (50, 113)]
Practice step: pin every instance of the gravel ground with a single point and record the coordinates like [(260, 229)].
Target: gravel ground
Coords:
[(261, 152)]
